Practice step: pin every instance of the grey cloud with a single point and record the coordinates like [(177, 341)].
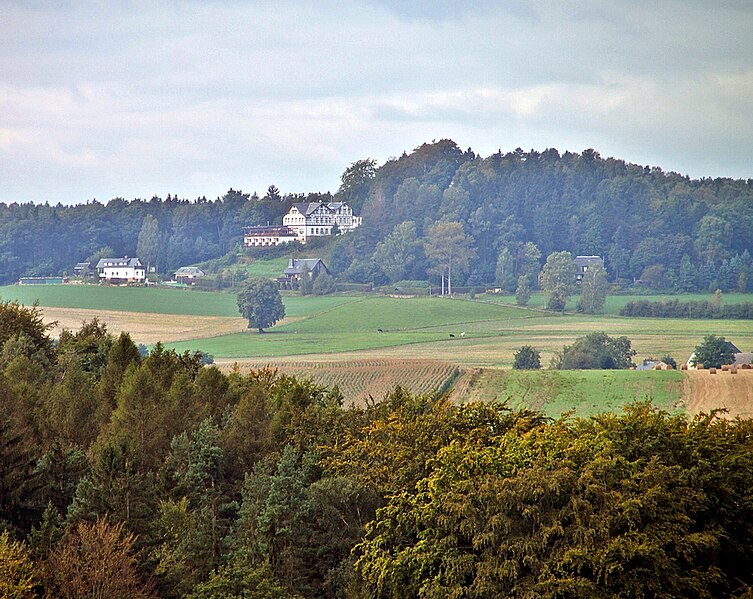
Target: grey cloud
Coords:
[(101, 99)]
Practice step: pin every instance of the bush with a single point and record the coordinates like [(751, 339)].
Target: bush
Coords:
[(596, 351), (323, 284), (527, 358)]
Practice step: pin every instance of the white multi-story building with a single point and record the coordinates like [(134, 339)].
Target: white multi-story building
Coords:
[(121, 269), (269, 236), (316, 219)]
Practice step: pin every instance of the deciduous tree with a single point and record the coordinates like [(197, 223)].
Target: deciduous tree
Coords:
[(397, 253), (593, 289), (448, 247), (96, 560), (558, 279), (713, 352), (261, 304), (149, 242)]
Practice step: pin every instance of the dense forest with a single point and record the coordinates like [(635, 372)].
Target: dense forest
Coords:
[(125, 475), (662, 229)]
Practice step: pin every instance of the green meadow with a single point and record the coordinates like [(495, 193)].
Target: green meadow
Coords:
[(158, 300), (582, 392), (354, 326), (493, 327)]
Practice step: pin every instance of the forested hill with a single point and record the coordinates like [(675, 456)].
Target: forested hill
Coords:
[(663, 227), (636, 217)]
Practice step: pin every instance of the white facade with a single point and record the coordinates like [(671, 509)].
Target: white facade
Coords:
[(319, 219), (121, 269), (268, 236)]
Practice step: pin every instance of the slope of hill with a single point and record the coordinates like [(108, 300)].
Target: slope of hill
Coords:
[(668, 230)]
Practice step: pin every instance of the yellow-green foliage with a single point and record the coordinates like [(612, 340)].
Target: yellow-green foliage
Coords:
[(16, 569)]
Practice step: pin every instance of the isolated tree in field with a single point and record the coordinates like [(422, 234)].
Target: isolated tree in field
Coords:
[(397, 253), (593, 289), (449, 248), (527, 358), (149, 242), (260, 303), (713, 352), (558, 279)]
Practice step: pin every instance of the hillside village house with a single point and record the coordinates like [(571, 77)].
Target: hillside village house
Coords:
[(126, 269), (585, 262), (304, 220), (298, 266), (188, 274)]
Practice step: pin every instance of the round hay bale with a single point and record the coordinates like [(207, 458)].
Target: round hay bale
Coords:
[(684, 367), (733, 370), (699, 366), (725, 367), (658, 367), (747, 366), (712, 370)]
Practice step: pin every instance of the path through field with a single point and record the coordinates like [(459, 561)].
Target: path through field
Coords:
[(705, 392)]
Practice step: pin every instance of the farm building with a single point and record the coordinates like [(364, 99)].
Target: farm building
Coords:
[(125, 269), (585, 262), (83, 269), (740, 357), (188, 274), (653, 365), (298, 266)]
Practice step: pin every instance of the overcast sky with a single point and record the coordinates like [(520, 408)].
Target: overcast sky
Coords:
[(135, 99)]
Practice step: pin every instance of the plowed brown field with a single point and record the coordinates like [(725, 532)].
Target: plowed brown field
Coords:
[(704, 392)]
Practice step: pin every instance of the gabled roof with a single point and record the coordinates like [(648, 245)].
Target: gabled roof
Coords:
[(588, 260), (296, 265), (120, 262), (192, 271), (307, 208)]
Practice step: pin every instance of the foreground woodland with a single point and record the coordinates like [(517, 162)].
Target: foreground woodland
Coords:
[(123, 475)]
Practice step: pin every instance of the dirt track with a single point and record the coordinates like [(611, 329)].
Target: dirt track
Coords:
[(704, 392)]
